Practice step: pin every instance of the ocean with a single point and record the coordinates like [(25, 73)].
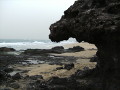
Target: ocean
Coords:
[(20, 44)]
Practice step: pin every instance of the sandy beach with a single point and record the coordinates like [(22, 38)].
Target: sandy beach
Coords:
[(37, 66), (48, 71)]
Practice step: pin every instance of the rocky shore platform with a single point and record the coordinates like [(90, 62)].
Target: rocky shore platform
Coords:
[(49, 69)]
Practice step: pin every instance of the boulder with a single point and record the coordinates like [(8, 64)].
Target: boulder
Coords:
[(17, 76), (58, 49), (68, 66), (75, 49)]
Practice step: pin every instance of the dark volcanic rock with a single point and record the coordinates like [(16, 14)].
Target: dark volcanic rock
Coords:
[(5, 49), (96, 22), (35, 77), (38, 85), (55, 83), (83, 73), (37, 51), (14, 85), (17, 76), (75, 49), (8, 70), (63, 83), (59, 68), (57, 80), (58, 48), (42, 51), (68, 66), (3, 76), (55, 63), (6, 60), (94, 59)]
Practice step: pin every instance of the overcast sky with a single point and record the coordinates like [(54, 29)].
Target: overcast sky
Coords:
[(29, 19)]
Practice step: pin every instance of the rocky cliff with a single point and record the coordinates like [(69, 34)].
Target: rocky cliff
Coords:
[(96, 22)]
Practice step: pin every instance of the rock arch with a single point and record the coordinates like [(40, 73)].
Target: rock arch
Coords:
[(96, 22)]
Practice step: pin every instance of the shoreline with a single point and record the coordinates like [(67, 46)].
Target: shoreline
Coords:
[(81, 60)]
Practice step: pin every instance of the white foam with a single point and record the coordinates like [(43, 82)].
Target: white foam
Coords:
[(33, 45)]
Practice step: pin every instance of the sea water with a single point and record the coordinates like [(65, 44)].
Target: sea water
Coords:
[(20, 44)]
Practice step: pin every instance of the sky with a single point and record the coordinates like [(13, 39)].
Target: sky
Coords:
[(30, 19)]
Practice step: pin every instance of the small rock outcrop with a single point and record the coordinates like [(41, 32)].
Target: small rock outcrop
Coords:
[(17, 76), (75, 49), (69, 66), (5, 49), (57, 49), (96, 22)]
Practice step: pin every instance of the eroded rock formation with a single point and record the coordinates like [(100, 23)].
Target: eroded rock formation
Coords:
[(96, 22)]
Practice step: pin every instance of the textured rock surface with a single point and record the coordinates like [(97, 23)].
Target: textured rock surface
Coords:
[(97, 22), (57, 49)]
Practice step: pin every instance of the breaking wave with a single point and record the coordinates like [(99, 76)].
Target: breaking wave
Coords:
[(32, 44)]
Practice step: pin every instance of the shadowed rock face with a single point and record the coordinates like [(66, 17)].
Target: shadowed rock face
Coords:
[(97, 22)]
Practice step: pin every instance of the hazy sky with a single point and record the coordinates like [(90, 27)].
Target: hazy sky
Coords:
[(29, 19)]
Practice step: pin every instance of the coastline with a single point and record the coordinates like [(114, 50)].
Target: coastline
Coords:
[(48, 71), (81, 61)]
